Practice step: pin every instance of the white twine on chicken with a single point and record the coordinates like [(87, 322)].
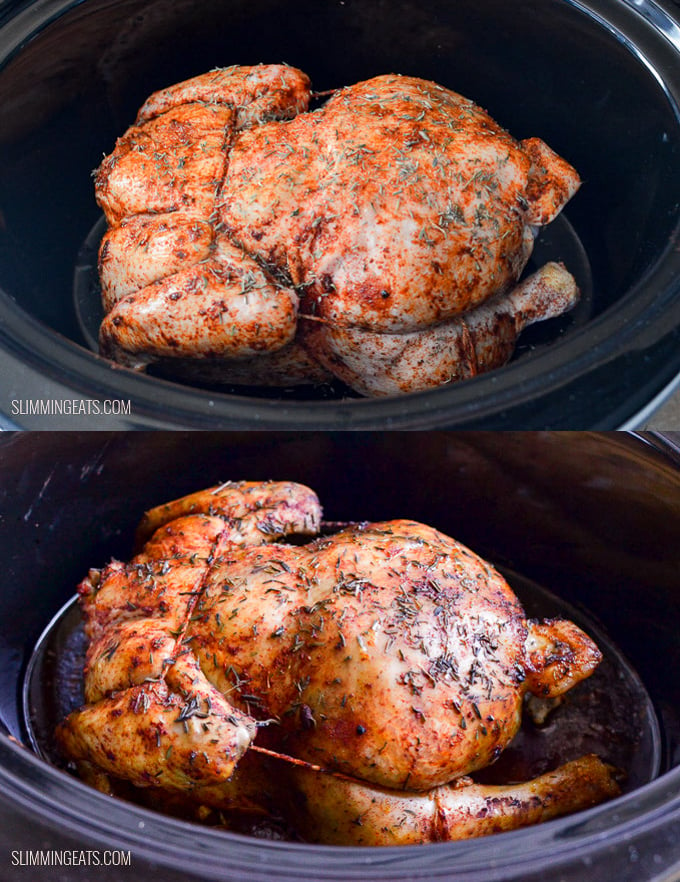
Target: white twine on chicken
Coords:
[(300, 762), (314, 318)]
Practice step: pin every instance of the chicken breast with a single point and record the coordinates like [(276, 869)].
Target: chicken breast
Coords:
[(241, 223)]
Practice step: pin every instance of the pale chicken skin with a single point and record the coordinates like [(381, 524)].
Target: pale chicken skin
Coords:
[(386, 661), (241, 225)]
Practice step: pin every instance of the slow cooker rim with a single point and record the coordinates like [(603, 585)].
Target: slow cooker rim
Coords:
[(94, 814), (522, 383)]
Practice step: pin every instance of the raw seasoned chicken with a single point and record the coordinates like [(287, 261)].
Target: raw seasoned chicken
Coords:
[(361, 239), (387, 661)]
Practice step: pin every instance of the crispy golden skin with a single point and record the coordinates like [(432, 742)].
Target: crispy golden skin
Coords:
[(365, 232), (388, 659)]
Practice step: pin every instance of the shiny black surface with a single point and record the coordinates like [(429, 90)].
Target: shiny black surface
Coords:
[(595, 518), (598, 80)]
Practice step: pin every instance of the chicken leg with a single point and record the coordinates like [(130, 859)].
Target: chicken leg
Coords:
[(338, 811), (480, 340)]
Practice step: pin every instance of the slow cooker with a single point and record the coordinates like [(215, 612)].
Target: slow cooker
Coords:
[(593, 517), (599, 80)]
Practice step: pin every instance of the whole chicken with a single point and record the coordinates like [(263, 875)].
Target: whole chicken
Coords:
[(363, 675), (378, 239)]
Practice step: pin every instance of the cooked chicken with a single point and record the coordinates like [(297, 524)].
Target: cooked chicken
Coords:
[(367, 233), (387, 660)]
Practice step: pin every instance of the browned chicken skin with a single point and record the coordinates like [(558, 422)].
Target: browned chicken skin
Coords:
[(387, 659), (366, 235)]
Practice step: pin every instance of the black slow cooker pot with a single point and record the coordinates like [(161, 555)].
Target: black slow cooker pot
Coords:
[(593, 517), (599, 80)]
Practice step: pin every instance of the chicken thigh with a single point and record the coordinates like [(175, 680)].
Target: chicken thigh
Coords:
[(359, 239), (375, 668)]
